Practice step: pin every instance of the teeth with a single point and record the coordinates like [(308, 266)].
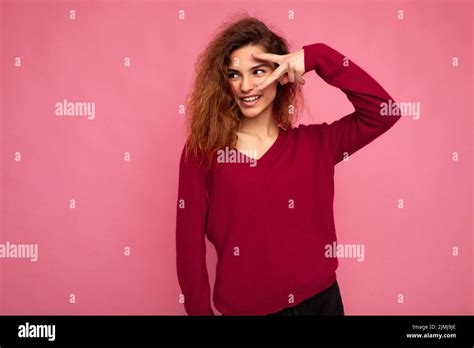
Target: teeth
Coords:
[(251, 98)]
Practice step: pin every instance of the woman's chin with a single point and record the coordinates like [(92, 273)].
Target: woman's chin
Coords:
[(249, 114)]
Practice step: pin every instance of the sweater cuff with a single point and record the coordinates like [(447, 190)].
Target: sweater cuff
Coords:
[(312, 54)]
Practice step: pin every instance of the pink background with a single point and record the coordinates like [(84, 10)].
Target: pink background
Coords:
[(133, 203)]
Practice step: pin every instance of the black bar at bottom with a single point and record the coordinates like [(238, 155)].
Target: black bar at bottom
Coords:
[(290, 330)]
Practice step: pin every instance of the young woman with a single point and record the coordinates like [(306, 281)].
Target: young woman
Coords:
[(259, 189)]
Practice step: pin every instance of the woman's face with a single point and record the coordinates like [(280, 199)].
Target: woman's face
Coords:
[(245, 74)]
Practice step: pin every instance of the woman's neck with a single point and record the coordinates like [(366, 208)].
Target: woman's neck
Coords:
[(262, 126)]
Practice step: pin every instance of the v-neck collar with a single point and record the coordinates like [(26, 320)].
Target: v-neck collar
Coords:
[(270, 151)]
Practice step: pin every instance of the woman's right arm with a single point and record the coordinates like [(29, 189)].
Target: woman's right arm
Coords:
[(190, 237)]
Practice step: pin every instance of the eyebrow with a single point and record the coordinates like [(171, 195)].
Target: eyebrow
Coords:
[(254, 67)]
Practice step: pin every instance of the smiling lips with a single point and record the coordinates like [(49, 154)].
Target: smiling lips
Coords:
[(250, 100)]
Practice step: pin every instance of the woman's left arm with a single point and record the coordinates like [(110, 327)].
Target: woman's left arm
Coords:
[(351, 132)]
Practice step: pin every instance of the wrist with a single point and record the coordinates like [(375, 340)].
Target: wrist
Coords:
[(312, 54)]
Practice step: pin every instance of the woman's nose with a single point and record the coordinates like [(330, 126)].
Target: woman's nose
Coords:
[(247, 84)]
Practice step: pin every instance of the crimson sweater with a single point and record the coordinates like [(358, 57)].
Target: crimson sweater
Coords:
[(270, 222)]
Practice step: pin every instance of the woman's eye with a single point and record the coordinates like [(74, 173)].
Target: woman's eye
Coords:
[(231, 75)]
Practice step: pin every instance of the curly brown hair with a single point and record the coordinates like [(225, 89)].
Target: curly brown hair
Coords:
[(212, 113)]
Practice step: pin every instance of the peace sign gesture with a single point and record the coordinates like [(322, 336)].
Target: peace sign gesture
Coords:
[(291, 67)]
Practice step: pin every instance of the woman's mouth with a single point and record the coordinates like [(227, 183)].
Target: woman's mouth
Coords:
[(250, 101)]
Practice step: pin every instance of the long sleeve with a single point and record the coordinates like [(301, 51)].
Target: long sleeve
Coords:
[(351, 132), (190, 237)]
